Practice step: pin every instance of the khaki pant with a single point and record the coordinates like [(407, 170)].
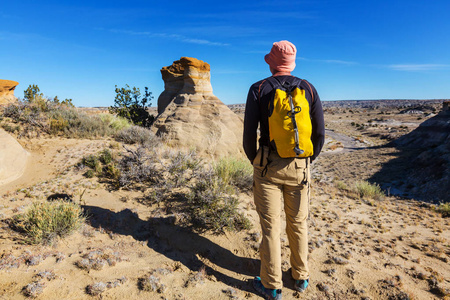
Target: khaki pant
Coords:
[(287, 177)]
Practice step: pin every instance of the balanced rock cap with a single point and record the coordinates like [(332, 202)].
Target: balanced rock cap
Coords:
[(282, 56)]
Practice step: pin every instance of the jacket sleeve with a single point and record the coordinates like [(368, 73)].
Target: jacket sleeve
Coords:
[(318, 125), (251, 121)]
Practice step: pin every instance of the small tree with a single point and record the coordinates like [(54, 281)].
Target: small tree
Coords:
[(32, 92), (130, 105), (32, 95)]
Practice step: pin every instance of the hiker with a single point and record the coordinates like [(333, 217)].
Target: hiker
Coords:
[(291, 127)]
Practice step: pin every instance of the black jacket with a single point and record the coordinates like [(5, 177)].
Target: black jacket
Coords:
[(257, 113)]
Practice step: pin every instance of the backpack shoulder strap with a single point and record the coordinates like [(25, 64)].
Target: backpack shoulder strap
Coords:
[(271, 80), (310, 90)]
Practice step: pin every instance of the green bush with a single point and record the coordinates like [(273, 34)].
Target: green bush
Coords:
[(105, 156), (130, 105), (367, 190), (212, 205), (91, 161), (234, 171), (45, 221)]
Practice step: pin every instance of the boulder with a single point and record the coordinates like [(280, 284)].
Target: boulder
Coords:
[(7, 91), (189, 114)]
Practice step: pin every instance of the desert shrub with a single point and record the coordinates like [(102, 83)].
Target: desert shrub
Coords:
[(235, 171), (90, 173), (93, 162), (58, 119), (10, 128), (212, 205), (45, 221), (58, 125), (105, 156), (96, 289), (367, 190), (444, 209), (130, 105), (179, 164), (137, 135), (115, 122), (103, 165), (28, 115), (78, 124), (111, 171), (340, 185), (34, 289), (39, 114), (137, 167)]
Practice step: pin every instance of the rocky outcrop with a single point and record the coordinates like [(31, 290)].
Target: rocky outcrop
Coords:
[(7, 91), (191, 116), (13, 158)]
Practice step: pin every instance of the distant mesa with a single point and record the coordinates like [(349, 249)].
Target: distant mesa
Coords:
[(191, 116), (7, 91)]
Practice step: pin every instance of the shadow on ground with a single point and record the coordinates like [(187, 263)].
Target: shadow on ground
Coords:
[(421, 170), (175, 242)]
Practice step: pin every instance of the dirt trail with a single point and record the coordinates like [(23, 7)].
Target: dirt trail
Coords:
[(349, 144)]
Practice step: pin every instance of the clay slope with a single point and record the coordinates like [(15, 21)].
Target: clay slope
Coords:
[(422, 169)]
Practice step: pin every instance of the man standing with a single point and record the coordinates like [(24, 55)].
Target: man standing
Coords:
[(290, 118)]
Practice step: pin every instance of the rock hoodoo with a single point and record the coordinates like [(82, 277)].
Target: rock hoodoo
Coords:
[(7, 91), (191, 116)]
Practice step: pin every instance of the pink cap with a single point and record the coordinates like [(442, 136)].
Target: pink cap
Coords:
[(282, 56)]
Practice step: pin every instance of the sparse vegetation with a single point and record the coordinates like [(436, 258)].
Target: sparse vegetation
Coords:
[(45, 221), (96, 289), (99, 258), (234, 171), (37, 114), (34, 289), (212, 205), (137, 135), (340, 185), (444, 209), (367, 190)]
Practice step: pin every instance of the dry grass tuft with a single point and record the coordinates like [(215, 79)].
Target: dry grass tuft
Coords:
[(367, 190), (34, 289), (46, 221)]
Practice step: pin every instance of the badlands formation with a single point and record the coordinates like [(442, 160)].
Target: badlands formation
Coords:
[(134, 244), (191, 116)]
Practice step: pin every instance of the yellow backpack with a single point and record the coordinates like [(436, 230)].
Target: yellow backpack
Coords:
[(289, 120)]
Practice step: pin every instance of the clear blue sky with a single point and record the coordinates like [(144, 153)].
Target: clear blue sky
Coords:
[(354, 49)]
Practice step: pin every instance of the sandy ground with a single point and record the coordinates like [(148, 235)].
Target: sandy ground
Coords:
[(359, 249)]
